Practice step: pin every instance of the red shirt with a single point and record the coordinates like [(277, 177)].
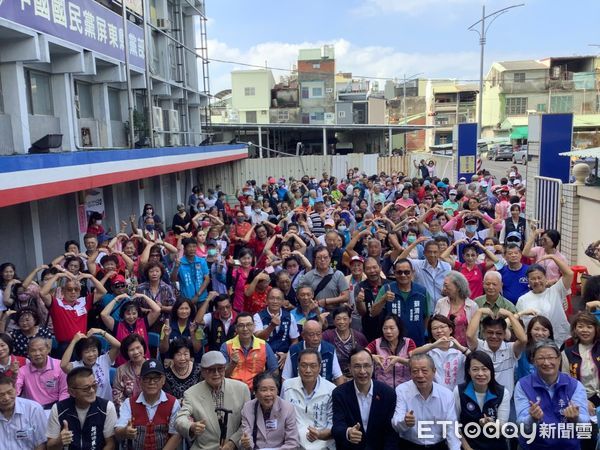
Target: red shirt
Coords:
[(69, 319), (474, 277), (257, 301)]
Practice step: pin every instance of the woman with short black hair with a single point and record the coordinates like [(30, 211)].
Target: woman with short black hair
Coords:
[(480, 400)]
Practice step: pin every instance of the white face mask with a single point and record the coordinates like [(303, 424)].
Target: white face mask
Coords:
[(98, 222)]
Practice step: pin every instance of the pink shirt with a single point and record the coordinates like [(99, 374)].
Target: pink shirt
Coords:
[(552, 270), (45, 386), (462, 317)]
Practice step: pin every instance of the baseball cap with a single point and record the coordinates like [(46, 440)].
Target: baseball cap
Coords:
[(471, 219), (453, 191), (211, 243), (152, 366), (356, 258), (329, 223), (512, 174), (117, 279), (517, 181), (514, 234), (272, 180), (426, 183), (462, 179), (319, 200), (441, 185), (212, 358)]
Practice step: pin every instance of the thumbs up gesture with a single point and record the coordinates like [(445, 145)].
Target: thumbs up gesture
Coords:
[(130, 430), (197, 428), (66, 436), (354, 434), (409, 419), (245, 441), (361, 296)]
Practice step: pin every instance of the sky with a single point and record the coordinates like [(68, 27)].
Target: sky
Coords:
[(395, 38)]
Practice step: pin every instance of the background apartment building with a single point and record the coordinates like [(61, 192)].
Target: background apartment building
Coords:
[(316, 79), (514, 89)]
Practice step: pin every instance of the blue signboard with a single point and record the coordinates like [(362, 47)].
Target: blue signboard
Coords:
[(556, 137), (466, 149), (82, 22)]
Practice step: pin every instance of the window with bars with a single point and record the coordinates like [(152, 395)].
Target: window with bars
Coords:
[(519, 77), (515, 106), (561, 104)]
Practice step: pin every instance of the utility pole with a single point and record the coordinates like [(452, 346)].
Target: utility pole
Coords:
[(482, 38)]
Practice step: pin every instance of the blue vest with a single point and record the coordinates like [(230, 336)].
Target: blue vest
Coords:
[(535, 388), (91, 436), (327, 354), (471, 412), (411, 311), (278, 340)]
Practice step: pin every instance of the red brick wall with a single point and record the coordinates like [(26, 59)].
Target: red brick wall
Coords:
[(327, 66), (415, 140)]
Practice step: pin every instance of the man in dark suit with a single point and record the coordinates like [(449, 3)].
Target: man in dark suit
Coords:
[(363, 409)]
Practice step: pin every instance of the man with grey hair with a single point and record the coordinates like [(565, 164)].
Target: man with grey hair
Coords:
[(493, 299), (551, 397), (421, 399), (211, 411)]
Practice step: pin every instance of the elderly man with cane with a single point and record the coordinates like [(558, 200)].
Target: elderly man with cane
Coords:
[(210, 414)]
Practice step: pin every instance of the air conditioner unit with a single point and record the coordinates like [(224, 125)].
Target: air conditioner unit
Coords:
[(172, 122), (157, 118), (329, 90), (329, 118), (163, 24)]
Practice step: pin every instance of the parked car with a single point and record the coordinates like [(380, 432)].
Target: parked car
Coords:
[(500, 151), (520, 155)]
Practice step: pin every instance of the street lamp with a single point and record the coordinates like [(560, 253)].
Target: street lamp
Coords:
[(482, 36), (412, 77)]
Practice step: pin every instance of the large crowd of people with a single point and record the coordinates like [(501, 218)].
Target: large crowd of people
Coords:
[(369, 312)]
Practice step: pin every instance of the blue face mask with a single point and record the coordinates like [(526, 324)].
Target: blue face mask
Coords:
[(410, 239), (471, 228), (149, 227), (212, 252)]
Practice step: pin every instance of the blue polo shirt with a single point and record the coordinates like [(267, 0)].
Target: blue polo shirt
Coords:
[(514, 282)]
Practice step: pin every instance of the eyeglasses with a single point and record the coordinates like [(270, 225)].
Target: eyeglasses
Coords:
[(151, 380), (403, 272), (542, 359), (119, 285), (313, 366), (72, 289), (89, 388), (218, 369)]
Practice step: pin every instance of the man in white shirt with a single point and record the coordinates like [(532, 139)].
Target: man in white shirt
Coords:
[(422, 400), (22, 422), (311, 396), (257, 215), (157, 425), (505, 355)]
